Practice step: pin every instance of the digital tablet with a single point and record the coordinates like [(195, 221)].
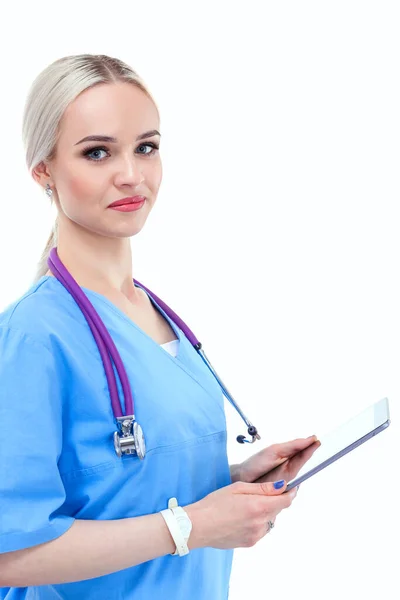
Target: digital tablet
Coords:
[(339, 442)]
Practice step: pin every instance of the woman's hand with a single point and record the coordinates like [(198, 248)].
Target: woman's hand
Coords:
[(279, 461), (237, 515)]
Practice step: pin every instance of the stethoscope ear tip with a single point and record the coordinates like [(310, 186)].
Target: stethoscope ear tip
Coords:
[(242, 438)]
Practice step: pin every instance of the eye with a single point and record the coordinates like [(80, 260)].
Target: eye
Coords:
[(154, 148), (88, 151)]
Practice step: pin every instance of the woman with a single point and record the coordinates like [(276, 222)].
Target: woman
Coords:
[(77, 520)]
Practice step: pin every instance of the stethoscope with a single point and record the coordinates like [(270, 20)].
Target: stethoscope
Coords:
[(129, 438)]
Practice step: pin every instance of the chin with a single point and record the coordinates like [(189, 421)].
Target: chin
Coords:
[(125, 232)]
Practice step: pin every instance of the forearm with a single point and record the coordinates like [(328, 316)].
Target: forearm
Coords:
[(235, 473), (88, 549)]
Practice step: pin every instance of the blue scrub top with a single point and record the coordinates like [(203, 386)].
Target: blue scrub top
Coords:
[(57, 458)]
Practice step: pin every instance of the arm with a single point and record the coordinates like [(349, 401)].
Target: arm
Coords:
[(235, 472), (91, 549)]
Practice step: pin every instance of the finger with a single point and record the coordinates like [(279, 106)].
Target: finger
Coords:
[(300, 459), (263, 489), (274, 507), (286, 449), (304, 442)]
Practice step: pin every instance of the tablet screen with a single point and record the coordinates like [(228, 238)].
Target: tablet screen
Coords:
[(344, 439)]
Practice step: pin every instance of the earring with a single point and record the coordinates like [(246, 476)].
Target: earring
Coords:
[(49, 191)]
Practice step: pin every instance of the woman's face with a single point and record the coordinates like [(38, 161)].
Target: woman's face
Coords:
[(89, 176)]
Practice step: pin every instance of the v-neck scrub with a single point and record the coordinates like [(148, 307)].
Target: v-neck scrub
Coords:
[(57, 458)]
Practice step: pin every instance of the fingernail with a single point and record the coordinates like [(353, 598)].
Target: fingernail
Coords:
[(279, 484)]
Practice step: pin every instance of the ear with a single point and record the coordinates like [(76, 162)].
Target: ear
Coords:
[(42, 175)]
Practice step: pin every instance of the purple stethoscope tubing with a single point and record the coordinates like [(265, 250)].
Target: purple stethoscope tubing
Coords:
[(101, 335), (107, 347)]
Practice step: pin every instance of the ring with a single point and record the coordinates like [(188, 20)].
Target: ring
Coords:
[(270, 525)]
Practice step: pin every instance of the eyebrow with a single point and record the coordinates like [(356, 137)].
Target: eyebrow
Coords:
[(107, 138)]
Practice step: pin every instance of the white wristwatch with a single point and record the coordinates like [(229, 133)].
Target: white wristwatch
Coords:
[(179, 525)]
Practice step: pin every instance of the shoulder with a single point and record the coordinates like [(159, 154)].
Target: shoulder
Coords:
[(31, 338), (36, 314)]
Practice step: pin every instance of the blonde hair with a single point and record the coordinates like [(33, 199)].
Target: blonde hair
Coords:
[(49, 96)]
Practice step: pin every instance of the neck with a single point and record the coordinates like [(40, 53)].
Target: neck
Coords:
[(96, 262)]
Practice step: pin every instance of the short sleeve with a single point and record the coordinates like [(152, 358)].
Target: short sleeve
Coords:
[(32, 493)]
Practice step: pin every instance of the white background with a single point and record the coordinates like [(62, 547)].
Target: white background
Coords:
[(279, 209)]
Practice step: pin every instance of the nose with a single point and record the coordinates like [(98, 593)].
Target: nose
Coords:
[(129, 172)]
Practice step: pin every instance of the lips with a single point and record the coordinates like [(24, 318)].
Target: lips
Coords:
[(131, 200)]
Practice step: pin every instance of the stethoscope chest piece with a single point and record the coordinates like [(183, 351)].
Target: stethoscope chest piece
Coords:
[(132, 439)]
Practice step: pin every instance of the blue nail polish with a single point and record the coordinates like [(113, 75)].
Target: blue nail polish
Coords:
[(279, 484)]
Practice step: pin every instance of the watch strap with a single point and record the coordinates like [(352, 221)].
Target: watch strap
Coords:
[(175, 531)]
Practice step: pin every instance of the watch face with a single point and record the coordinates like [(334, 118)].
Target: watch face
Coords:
[(140, 445)]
